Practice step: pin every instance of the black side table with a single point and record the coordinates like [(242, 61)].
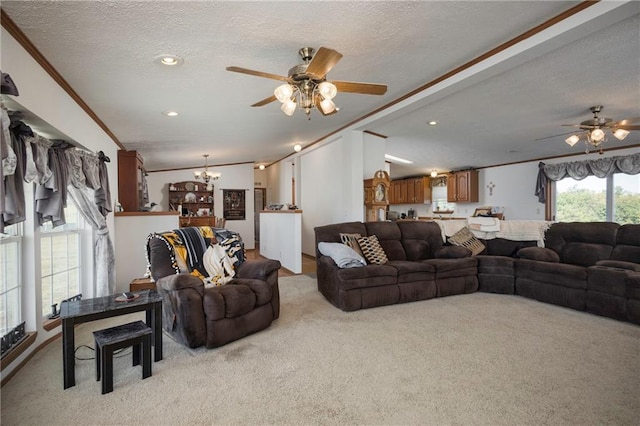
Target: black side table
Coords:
[(79, 311)]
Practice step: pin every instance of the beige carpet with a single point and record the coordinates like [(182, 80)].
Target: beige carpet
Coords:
[(473, 359)]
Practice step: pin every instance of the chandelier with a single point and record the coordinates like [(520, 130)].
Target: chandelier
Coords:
[(596, 131), (205, 175), (307, 94)]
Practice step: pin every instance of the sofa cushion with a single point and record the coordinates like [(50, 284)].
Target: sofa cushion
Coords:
[(415, 233), (368, 276), (228, 301), (466, 239), (372, 250), (504, 247), (538, 253), (607, 280), (559, 274), (390, 238), (447, 268), (630, 266), (627, 247), (453, 252), (262, 289), (582, 243), (413, 271)]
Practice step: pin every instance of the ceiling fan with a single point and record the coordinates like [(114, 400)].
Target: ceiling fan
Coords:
[(594, 131), (307, 86)]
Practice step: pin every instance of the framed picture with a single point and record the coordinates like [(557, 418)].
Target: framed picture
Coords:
[(233, 207), (482, 211)]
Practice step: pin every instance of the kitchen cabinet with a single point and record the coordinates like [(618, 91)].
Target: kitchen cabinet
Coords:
[(462, 187), (411, 191), (399, 192), (418, 190)]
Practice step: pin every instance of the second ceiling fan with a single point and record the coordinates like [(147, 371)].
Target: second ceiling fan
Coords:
[(307, 87)]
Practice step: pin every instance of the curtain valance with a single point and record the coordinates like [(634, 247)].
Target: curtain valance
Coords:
[(602, 167)]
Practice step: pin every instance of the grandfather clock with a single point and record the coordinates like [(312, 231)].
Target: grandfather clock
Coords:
[(376, 196)]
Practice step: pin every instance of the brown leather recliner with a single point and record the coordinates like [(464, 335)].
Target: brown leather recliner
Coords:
[(195, 315)]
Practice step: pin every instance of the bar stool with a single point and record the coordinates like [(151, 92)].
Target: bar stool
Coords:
[(135, 334)]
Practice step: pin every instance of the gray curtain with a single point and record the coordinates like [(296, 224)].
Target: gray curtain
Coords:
[(104, 255), (602, 167)]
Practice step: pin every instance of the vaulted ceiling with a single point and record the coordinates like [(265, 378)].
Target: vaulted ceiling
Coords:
[(490, 112)]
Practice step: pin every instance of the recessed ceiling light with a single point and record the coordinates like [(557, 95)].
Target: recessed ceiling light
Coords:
[(261, 166), (171, 113), (169, 60), (397, 159), (297, 147), (433, 123)]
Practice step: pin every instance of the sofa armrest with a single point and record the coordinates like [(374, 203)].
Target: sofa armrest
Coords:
[(182, 309), (630, 266), (541, 254), (258, 269), (452, 252), (180, 282)]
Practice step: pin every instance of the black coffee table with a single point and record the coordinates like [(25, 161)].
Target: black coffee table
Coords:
[(79, 311)]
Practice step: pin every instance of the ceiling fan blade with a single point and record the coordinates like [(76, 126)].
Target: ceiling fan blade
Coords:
[(264, 101), (364, 88), (626, 122), (554, 136), (623, 127), (323, 61), (257, 73)]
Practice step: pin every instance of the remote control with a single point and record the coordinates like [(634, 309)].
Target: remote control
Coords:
[(128, 295)]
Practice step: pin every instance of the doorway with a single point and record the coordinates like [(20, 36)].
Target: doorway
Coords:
[(259, 203)]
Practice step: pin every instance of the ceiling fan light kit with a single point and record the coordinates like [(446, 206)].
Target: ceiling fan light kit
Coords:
[(594, 131), (306, 85)]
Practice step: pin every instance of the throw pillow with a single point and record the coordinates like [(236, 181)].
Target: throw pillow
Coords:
[(352, 241), (466, 239), (343, 255), (372, 250)]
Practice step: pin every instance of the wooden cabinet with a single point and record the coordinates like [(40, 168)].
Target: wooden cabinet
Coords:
[(399, 192), (132, 193), (462, 187), (418, 190), (194, 203), (411, 191)]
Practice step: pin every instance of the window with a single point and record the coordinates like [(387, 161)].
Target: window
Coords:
[(10, 278), (60, 250), (615, 198)]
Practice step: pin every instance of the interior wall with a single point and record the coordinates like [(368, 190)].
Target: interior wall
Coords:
[(44, 98), (239, 176), (331, 186), (373, 151)]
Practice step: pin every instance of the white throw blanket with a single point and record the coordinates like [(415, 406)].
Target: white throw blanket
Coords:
[(516, 230), (524, 230), (485, 224)]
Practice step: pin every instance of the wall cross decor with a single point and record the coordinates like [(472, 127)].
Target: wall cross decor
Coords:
[(491, 186)]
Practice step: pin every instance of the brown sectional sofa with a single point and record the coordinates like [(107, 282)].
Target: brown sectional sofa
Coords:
[(592, 267)]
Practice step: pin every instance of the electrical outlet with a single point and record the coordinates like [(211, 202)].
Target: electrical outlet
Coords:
[(538, 210)]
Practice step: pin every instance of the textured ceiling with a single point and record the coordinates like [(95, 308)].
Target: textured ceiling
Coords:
[(106, 50)]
